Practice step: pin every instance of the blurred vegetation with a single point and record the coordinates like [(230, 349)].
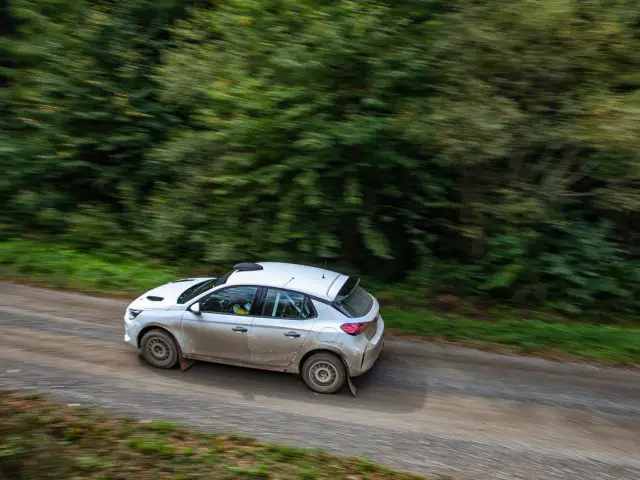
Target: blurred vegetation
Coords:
[(61, 266), (41, 440), (486, 150), (540, 336), (444, 319)]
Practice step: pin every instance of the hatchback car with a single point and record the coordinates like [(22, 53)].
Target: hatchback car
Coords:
[(275, 316)]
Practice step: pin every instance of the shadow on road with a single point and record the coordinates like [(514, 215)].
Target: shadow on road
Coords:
[(391, 386)]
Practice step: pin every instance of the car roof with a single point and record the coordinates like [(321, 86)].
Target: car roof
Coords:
[(313, 281)]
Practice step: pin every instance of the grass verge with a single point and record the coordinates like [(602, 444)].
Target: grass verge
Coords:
[(40, 439), (560, 340), (62, 267)]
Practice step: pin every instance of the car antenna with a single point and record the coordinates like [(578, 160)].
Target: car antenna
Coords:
[(324, 268), (288, 282)]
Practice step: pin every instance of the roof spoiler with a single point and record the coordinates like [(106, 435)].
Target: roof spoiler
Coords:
[(247, 267)]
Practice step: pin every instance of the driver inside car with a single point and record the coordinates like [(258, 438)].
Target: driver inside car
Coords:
[(242, 310)]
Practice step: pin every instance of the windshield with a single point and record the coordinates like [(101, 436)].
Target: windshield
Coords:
[(357, 303), (194, 290)]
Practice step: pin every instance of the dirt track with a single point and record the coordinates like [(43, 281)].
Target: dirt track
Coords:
[(424, 407)]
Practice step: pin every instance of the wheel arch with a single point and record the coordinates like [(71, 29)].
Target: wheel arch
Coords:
[(338, 354), (148, 328)]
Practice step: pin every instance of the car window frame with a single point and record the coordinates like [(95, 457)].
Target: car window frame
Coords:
[(258, 303), (254, 305), (263, 297)]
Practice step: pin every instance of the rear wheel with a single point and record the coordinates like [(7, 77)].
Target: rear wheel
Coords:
[(159, 349), (324, 373)]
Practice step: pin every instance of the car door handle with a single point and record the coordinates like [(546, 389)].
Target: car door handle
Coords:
[(239, 329), (292, 334)]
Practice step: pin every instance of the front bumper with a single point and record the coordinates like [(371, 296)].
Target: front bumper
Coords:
[(131, 331)]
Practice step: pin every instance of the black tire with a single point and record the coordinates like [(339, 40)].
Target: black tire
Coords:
[(324, 373), (159, 349)]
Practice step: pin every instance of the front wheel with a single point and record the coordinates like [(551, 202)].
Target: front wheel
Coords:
[(159, 349), (324, 373)]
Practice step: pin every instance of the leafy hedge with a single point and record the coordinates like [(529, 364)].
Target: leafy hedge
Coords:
[(476, 148)]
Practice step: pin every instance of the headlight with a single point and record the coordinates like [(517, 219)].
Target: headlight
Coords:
[(134, 313)]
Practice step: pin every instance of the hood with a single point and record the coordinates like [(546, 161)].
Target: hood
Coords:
[(165, 296)]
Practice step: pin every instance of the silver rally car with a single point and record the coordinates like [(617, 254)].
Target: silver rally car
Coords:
[(275, 316)]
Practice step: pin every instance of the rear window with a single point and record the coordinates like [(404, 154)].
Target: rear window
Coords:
[(358, 303)]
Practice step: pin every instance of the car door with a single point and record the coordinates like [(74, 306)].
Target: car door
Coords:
[(222, 329), (281, 327)]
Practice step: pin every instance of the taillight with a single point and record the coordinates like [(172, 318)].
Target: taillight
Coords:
[(354, 328)]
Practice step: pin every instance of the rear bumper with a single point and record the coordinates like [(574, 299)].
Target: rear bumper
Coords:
[(370, 355)]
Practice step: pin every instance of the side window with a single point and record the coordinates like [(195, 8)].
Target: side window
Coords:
[(230, 301), (283, 304)]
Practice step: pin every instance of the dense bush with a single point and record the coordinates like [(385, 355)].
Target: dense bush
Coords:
[(475, 148)]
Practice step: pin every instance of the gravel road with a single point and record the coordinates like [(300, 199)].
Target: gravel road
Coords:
[(437, 410)]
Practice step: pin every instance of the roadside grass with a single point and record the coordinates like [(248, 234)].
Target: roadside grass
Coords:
[(528, 333), (60, 266), (40, 439), (560, 340)]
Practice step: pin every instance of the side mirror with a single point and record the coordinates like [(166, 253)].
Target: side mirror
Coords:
[(195, 308)]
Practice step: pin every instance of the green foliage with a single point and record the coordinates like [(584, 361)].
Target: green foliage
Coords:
[(80, 104), (570, 265), (291, 144), (609, 344), (91, 226), (61, 266), (471, 148)]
